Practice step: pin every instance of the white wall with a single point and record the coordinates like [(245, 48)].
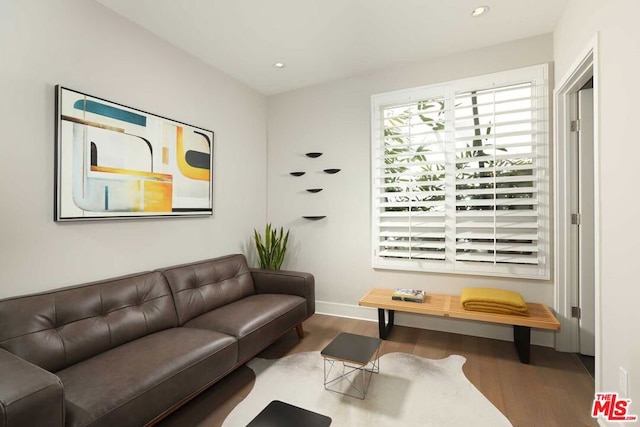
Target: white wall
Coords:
[(84, 46), (616, 22), (334, 118)]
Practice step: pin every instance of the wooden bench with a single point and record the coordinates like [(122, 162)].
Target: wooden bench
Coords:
[(449, 306)]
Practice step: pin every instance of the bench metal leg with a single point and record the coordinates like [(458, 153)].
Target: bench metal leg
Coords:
[(522, 340), (385, 328)]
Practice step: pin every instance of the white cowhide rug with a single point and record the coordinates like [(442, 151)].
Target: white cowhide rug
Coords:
[(408, 391)]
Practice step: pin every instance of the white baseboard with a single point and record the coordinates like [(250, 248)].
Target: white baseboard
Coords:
[(456, 326)]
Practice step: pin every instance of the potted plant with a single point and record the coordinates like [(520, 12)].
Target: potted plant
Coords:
[(272, 248)]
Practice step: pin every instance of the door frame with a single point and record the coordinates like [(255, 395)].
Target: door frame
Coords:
[(565, 110)]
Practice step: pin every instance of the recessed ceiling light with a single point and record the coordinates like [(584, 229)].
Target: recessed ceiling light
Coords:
[(279, 64), (480, 10)]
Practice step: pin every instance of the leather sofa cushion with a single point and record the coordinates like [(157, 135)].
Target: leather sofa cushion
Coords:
[(204, 286), (57, 329), (131, 384), (256, 321)]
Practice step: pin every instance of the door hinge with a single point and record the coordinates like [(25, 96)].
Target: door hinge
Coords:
[(576, 218), (575, 125), (575, 312)]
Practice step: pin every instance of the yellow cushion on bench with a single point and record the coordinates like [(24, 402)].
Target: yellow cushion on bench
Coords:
[(493, 300)]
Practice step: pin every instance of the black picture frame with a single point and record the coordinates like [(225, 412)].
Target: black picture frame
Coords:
[(118, 162)]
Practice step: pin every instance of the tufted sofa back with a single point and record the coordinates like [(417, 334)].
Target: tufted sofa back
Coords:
[(57, 329), (200, 287)]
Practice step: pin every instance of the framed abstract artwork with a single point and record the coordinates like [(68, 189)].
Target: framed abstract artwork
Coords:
[(117, 162)]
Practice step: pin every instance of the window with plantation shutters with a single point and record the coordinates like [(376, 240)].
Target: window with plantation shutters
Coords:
[(460, 179)]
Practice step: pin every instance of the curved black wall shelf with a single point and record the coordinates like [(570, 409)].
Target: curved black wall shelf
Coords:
[(314, 190), (332, 171), (297, 173), (314, 218), (313, 155)]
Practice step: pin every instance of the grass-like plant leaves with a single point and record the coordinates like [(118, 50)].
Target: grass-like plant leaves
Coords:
[(272, 248)]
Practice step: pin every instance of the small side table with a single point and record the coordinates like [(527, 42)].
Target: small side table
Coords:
[(281, 414), (358, 356)]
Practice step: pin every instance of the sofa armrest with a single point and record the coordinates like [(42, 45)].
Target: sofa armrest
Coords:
[(286, 282), (29, 395)]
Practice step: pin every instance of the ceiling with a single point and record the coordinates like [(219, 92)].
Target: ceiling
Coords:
[(324, 40)]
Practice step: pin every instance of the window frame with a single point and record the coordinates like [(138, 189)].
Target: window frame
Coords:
[(538, 76)]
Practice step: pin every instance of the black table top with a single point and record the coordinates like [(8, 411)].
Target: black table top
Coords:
[(280, 414), (352, 348)]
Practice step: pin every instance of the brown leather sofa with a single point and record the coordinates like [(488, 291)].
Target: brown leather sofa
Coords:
[(128, 351)]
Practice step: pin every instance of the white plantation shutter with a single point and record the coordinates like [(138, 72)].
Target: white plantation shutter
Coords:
[(410, 184), (460, 176)]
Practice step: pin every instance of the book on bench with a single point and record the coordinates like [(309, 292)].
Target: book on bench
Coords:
[(412, 295)]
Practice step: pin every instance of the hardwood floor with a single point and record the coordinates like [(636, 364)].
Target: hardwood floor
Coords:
[(554, 390)]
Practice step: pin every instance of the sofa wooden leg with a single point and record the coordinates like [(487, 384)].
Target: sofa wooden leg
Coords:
[(299, 330)]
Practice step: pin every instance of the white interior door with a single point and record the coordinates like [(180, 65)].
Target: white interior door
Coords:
[(586, 251)]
